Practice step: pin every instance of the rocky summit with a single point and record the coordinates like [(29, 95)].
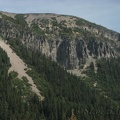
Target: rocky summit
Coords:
[(72, 42)]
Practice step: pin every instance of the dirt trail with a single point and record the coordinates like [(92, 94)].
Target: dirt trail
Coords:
[(19, 66)]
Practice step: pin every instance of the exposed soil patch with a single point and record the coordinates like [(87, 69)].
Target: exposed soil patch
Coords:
[(19, 66)]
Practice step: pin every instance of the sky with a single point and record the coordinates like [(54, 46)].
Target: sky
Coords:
[(102, 12)]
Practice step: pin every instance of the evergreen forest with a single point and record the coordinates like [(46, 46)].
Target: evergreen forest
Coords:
[(67, 97)]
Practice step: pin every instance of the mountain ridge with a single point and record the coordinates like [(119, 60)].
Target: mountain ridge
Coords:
[(70, 41), (54, 14)]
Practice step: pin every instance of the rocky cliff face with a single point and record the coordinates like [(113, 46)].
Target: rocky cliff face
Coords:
[(70, 41)]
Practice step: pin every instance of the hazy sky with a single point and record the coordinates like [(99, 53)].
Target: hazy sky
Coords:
[(102, 12)]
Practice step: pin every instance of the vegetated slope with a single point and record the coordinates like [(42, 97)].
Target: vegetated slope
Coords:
[(64, 92), (107, 79), (74, 44), (70, 41), (19, 66), (16, 97)]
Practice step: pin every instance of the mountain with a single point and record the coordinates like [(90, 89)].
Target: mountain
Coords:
[(52, 47), (70, 41)]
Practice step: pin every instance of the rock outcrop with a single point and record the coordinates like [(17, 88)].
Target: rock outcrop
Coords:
[(70, 41)]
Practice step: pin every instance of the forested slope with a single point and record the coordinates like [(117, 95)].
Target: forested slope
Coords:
[(63, 93), (15, 95), (41, 39)]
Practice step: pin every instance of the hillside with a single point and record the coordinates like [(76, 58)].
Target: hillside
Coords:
[(51, 45), (19, 66), (70, 41)]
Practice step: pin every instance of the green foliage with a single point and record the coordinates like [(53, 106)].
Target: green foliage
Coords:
[(20, 20), (65, 31), (13, 75), (16, 100), (64, 92), (25, 81), (108, 77), (45, 21), (79, 22), (54, 21), (36, 29), (8, 18)]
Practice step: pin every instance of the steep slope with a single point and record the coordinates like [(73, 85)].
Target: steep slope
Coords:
[(92, 98), (19, 66), (64, 92), (72, 42)]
